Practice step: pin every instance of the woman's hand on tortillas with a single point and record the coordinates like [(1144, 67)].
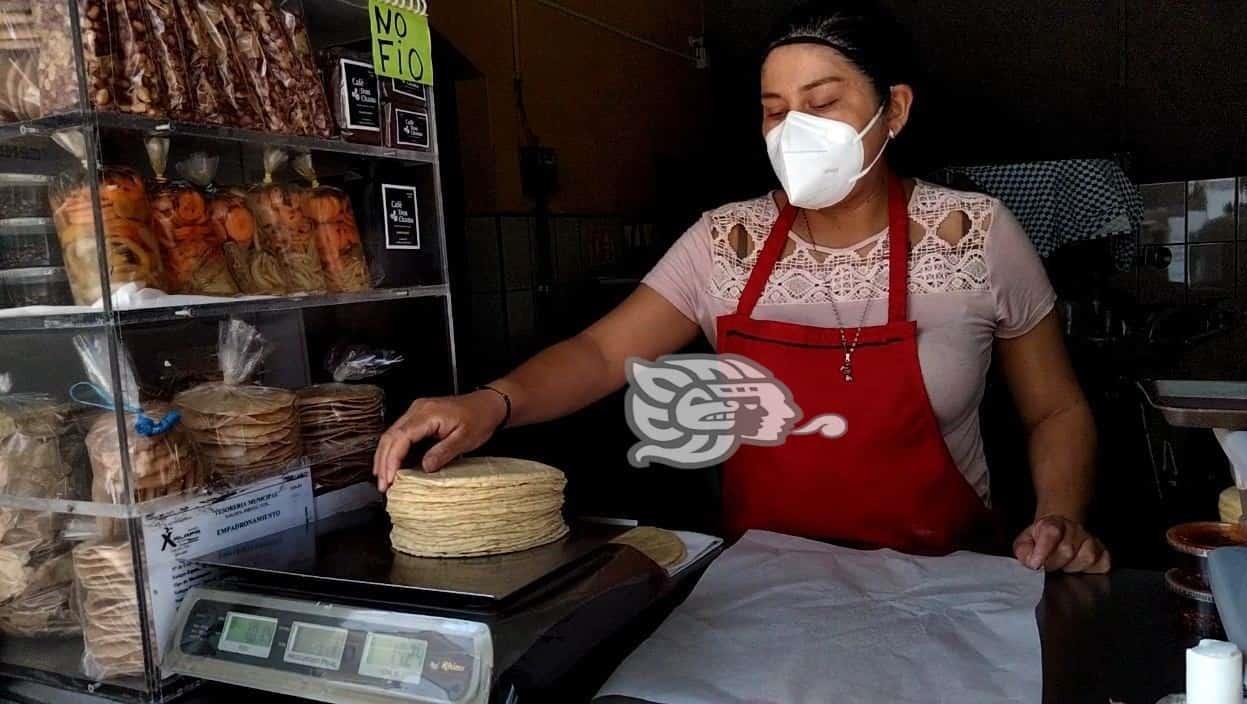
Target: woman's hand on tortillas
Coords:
[(460, 424)]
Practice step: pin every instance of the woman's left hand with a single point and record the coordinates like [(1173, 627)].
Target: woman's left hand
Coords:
[(1056, 543)]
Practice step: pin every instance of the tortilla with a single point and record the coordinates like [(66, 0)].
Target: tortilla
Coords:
[(661, 546)]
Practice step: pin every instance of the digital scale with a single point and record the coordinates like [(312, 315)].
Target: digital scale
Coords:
[(328, 612)]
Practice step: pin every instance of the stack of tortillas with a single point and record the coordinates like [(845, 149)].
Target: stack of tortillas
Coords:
[(340, 426), (477, 506), (243, 432), (661, 546), (111, 629)]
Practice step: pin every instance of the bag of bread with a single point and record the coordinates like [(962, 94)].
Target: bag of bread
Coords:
[(256, 269), (245, 432), (46, 607), (131, 252), (57, 70), (33, 430), (337, 234), (285, 229), (193, 257), (341, 421), (19, 58), (311, 88), (139, 88), (166, 45), (107, 596), (158, 455), (239, 98)]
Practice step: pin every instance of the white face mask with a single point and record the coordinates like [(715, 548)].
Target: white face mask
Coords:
[(819, 160)]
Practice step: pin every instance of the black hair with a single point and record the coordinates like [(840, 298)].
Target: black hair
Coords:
[(863, 31)]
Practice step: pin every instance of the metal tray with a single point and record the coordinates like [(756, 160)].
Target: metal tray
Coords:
[(1199, 404), (354, 548)]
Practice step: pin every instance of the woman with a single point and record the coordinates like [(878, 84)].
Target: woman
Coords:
[(868, 296)]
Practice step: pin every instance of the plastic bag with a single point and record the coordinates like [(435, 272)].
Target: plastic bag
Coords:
[(136, 78), (236, 92), (193, 257), (342, 422), (107, 595), (56, 68), (46, 606), (311, 90), (284, 228), (203, 72), (337, 235), (33, 430), (132, 253), (249, 51), (244, 432), (163, 26), (288, 107), (159, 453), (19, 59), (256, 270)]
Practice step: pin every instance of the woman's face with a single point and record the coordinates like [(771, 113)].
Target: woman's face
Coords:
[(819, 80)]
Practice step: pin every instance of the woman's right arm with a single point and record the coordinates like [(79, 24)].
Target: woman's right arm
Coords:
[(556, 382)]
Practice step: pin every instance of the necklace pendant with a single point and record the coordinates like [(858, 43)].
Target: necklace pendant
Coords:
[(847, 368)]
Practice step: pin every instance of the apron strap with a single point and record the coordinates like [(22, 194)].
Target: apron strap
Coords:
[(771, 250), (898, 255), (898, 251)]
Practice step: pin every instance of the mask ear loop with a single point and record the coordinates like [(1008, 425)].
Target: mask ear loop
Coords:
[(891, 136)]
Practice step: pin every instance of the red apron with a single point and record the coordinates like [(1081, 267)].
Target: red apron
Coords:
[(889, 480)]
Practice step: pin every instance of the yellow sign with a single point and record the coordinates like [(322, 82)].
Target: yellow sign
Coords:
[(401, 47)]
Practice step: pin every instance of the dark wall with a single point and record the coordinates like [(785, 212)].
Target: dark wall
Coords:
[(1014, 80)]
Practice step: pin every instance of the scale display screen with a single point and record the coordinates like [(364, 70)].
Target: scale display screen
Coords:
[(248, 634), (393, 658), (315, 645)]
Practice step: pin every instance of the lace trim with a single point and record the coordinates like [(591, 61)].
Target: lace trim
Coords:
[(809, 275)]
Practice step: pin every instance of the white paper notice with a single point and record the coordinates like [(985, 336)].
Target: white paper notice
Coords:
[(171, 538), (784, 620)]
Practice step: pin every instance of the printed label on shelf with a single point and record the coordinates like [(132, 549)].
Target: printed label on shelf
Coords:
[(363, 96), (206, 524), (402, 217), (400, 43), (415, 91), (413, 128)]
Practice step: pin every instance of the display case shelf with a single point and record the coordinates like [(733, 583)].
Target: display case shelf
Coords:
[(77, 317), (147, 126)]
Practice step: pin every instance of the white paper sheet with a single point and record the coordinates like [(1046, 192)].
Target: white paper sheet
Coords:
[(783, 620), (696, 546)]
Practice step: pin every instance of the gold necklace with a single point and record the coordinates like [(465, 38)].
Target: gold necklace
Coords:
[(846, 367)]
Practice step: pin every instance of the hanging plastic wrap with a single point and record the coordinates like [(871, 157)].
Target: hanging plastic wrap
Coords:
[(341, 422), (240, 100), (157, 448), (132, 254), (285, 229), (244, 431), (139, 88), (112, 632), (311, 90), (193, 256), (166, 46), (56, 68), (337, 235)]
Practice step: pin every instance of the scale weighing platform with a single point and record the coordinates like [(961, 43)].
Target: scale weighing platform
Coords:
[(328, 612)]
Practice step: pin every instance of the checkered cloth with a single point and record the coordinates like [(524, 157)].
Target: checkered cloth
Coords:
[(1059, 202)]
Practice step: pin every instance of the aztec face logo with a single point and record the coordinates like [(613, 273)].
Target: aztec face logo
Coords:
[(693, 411)]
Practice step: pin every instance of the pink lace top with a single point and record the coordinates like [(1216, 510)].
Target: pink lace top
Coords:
[(973, 277)]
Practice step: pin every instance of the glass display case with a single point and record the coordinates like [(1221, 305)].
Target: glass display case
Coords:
[(222, 266)]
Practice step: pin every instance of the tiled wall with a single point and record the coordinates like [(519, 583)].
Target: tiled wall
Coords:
[(1193, 244)]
